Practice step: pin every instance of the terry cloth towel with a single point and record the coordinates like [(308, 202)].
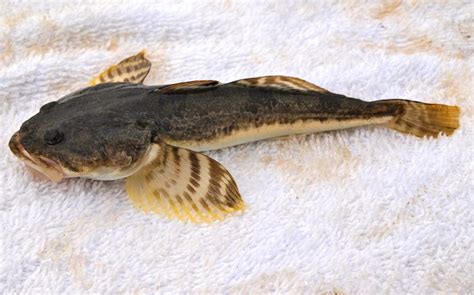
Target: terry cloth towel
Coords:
[(363, 211)]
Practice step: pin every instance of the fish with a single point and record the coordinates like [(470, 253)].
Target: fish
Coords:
[(154, 136)]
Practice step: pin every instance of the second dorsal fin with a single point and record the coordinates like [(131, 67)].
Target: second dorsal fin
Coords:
[(281, 82)]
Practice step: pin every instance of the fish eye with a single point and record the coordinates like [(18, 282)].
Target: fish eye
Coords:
[(53, 137)]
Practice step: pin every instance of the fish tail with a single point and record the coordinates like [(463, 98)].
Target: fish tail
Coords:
[(424, 119)]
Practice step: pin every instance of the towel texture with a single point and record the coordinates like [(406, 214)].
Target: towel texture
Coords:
[(358, 211)]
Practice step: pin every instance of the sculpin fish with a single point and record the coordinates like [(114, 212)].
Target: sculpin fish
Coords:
[(153, 135)]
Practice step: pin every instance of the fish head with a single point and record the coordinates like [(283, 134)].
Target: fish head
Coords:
[(79, 138)]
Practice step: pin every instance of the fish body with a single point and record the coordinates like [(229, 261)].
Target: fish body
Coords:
[(229, 114), (152, 135), (221, 115)]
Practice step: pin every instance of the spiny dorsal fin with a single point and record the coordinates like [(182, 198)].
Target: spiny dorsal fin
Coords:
[(133, 69), (281, 82), (188, 85), (183, 184)]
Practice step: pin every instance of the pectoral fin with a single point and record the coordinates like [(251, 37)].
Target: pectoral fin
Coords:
[(183, 184), (133, 69), (281, 82)]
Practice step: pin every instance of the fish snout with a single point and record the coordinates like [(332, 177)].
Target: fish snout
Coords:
[(39, 164), (13, 144)]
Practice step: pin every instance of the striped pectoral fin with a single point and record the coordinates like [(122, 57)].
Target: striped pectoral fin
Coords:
[(281, 82), (186, 185), (133, 69)]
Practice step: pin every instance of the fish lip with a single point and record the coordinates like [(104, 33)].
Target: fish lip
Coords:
[(13, 144), (44, 165)]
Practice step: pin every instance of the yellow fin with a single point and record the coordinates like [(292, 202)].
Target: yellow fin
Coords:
[(186, 185), (133, 69), (424, 119), (281, 82)]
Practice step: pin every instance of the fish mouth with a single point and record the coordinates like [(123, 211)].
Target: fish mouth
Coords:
[(40, 164)]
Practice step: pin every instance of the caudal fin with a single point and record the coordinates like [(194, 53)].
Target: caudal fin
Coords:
[(424, 119)]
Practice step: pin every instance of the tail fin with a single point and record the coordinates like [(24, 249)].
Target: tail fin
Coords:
[(422, 119)]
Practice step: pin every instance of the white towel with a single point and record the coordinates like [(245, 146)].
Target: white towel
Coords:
[(359, 211)]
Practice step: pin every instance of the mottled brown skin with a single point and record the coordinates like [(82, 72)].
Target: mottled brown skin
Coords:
[(201, 114), (112, 124)]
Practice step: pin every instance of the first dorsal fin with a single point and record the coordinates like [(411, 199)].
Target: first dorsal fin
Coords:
[(183, 184), (133, 69), (281, 82), (188, 85)]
